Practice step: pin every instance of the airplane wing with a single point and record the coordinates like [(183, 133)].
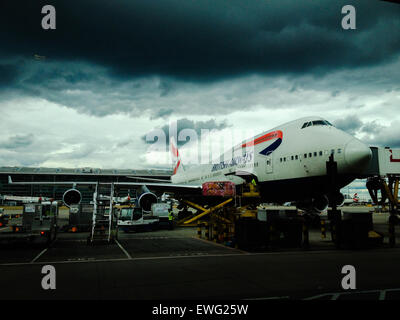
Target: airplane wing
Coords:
[(166, 187), (147, 190), (147, 179)]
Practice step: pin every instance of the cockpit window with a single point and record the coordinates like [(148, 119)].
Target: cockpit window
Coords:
[(319, 123), (316, 123)]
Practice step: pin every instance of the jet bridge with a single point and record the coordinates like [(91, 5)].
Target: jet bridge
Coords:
[(384, 162), (383, 174)]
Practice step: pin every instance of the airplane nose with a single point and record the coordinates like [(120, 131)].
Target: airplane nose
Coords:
[(357, 153)]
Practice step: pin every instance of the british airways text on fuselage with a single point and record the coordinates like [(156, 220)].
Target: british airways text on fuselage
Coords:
[(239, 160)]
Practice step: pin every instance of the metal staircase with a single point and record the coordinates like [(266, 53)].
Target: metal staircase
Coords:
[(104, 221)]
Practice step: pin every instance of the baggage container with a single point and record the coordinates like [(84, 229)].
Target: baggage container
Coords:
[(219, 188)]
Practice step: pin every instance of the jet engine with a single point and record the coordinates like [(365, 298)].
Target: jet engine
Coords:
[(337, 198), (318, 204), (71, 197), (146, 198)]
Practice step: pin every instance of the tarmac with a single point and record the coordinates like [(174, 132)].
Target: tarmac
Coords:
[(177, 265)]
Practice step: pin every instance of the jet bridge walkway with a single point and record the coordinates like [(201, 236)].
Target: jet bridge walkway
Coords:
[(383, 176)]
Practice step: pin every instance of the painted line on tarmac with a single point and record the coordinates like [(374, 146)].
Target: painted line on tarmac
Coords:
[(118, 259), (43, 251), (123, 250), (74, 240), (337, 295), (268, 298), (251, 254), (62, 262), (39, 255), (206, 255), (220, 245), (125, 237)]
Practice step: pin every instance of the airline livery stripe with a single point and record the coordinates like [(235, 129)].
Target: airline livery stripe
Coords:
[(174, 151), (271, 135), (273, 146), (176, 168)]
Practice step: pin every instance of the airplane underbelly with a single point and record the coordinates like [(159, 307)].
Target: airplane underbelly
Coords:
[(292, 189)]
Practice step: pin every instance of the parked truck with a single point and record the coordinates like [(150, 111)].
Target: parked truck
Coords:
[(80, 217), (163, 211), (3, 218), (38, 221), (131, 218)]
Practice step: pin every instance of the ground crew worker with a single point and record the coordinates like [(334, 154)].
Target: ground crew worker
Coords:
[(170, 219), (254, 183)]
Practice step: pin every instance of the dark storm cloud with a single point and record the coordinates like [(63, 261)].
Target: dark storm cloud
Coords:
[(8, 74), (182, 124), (350, 124), (373, 132), (380, 135), (205, 39), (373, 128), (17, 142), (158, 58), (84, 87), (162, 113), (81, 151), (166, 87)]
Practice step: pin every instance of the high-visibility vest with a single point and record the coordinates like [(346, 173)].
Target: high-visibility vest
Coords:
[(170, 216)]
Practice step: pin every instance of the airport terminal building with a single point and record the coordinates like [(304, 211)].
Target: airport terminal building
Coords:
[(28, 174)]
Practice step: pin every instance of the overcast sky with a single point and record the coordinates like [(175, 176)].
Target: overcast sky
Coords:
[(115, 70)]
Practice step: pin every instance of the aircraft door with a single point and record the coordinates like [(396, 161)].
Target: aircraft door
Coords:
[(268, 164)]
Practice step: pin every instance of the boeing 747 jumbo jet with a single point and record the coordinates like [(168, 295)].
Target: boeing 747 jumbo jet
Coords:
[(288, 163)]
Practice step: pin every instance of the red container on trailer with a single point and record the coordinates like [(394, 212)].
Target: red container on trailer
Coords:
[(219, 188)]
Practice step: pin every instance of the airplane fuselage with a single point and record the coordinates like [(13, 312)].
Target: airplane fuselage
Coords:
[(288, 162)]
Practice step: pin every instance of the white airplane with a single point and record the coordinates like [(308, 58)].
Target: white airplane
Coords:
[(351, 200), (288, 163)]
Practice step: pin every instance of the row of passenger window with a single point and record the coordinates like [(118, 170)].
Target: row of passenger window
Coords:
[(310, 155)]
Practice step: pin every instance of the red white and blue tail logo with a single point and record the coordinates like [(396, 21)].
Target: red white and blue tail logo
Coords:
[(175, 155)]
